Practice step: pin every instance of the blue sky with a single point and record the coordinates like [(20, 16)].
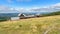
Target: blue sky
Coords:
[(27, 3)]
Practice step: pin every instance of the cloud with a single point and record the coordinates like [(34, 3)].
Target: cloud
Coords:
[(3, 8), (6, 8), (51, 8), (55, 7), (23, 0), (57, 4), (9, 1)]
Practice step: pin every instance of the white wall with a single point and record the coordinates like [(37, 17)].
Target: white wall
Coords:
[(14, 18)]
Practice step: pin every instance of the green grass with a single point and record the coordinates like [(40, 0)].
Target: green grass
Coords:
[(41, 25)]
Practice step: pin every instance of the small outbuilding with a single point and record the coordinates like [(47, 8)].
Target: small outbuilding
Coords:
[(14, 18), (24, 16)]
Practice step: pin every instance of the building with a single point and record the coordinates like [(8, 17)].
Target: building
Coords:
[(25, 15), (14, 18), (17, 16)]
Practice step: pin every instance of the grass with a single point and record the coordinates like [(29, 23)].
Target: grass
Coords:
[(42, 25)]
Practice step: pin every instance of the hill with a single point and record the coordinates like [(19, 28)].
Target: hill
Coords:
[(41, 25), (52, 13)]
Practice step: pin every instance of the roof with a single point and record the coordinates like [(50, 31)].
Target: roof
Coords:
[(28, 14)]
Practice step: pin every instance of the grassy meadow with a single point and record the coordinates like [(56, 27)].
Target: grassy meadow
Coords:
[(41, 25)]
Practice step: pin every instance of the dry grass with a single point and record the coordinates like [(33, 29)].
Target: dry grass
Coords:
[(42, 25)]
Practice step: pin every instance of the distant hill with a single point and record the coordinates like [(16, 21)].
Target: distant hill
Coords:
[(8, 14), (52, 13)]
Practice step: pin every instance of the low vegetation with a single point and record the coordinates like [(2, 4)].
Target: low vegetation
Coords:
[(52, 14), (41, 25), (4, 18)]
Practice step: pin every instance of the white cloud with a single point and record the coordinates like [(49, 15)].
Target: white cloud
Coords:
[(57, 4), (23, 0), (6, 8), (51, 8), (54, 7), (3, 8)]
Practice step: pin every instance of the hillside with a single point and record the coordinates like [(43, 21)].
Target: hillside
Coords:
[(41, 25), (52, 13)]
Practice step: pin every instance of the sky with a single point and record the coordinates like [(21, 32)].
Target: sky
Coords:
[(26, 4)]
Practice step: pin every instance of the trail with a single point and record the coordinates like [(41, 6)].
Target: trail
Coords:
[(50, 28)]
